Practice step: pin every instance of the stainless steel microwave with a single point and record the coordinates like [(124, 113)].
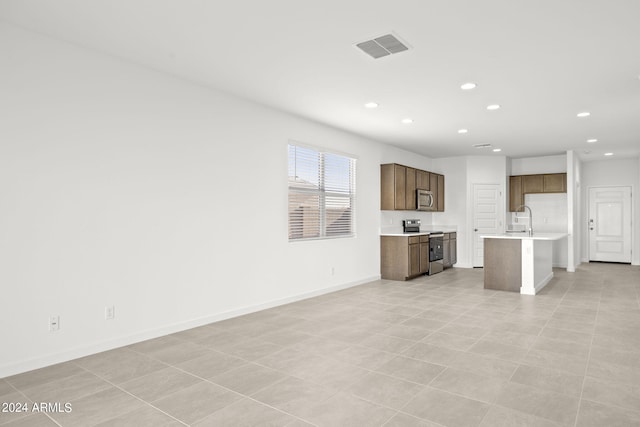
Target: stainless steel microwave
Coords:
[(425, 200)]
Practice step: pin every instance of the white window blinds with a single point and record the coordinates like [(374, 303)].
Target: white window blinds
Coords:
[(322, 191)]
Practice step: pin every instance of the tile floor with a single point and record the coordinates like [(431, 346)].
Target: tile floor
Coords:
[(435, 351)]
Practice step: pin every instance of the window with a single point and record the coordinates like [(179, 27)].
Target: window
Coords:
[(322, 191)]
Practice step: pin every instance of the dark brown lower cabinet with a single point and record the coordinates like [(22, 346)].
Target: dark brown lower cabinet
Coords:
[(403, 257), (414, 259), (450, 250), (424, 254)]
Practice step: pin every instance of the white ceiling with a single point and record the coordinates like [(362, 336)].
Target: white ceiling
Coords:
[(543, 61)]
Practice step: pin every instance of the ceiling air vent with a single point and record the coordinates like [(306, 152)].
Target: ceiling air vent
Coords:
[(382, 46), (482, 145)]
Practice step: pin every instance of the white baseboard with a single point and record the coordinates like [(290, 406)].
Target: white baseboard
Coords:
[(100, 346)]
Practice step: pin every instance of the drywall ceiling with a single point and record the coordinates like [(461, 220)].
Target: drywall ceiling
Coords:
[(543, 62)]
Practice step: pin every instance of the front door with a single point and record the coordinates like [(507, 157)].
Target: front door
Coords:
[(610, 224), (487, 217)]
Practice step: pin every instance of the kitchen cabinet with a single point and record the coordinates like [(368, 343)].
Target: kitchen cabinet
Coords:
[(393, 179), (410, 190), (440, 196), (446, 259), (403, 257), (532, 184), (555, 183), (436, 183), (398, 185), (450, 250), (424, 254), (516, 197), (453, 248), (422, 180), (414, 256), (519, 185)]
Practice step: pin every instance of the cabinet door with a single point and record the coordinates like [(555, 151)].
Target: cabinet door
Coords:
[(422, 180), (555, 183), (387, 187), (424, 257), (532, 184), (433, 187), (453, 251), (414, 259), (400, 175), (410, 190), (516, 197), (440, 197), (446, 259)]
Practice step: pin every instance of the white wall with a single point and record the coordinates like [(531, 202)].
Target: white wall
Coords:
[(454, 170), (550, 211), (575, 212), (122, 186), (536, 165), (460, 175), (613, 172)]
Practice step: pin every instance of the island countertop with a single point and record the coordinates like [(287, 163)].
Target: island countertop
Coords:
[(525, 236)]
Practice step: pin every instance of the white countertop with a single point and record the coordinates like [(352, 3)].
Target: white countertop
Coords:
[(525, 236), (419, 233), (401, 234), (444, 229)]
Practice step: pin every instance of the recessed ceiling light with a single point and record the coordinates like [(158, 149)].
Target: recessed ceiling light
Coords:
[(584, 114), (462, 131), (407, 121), (468, 86), (493, 107), (497, 150), (371, 105), (608, 154), (591, 141)]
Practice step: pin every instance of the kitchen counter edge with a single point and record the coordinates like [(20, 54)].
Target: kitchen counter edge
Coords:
[(525, 236)]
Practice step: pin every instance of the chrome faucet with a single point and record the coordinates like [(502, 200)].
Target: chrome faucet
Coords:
[(530, 218)]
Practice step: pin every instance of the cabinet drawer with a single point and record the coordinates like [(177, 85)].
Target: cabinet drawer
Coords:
[(424, 239), (452, 235), (414, 239)]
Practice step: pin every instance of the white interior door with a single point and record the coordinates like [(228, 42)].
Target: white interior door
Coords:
[(610, 224), (487, 217)]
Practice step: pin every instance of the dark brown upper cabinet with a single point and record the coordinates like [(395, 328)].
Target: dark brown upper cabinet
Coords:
[(398, 185), (519, 185)]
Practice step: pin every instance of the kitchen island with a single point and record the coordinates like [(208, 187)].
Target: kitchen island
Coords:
[(517, 262)]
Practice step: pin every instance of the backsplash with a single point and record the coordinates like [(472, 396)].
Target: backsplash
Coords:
[(549, 213)]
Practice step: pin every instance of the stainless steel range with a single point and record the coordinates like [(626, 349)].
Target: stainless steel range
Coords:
[(411, 225)]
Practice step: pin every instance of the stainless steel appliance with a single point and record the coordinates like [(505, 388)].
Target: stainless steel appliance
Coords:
[(411, 225), (436, 252), (425, 200)]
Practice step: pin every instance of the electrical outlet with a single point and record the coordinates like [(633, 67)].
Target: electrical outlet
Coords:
[(332, 270), (110, 312), (54, 323)]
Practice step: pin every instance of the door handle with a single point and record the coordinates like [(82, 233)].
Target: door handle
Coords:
[(475, 229)]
